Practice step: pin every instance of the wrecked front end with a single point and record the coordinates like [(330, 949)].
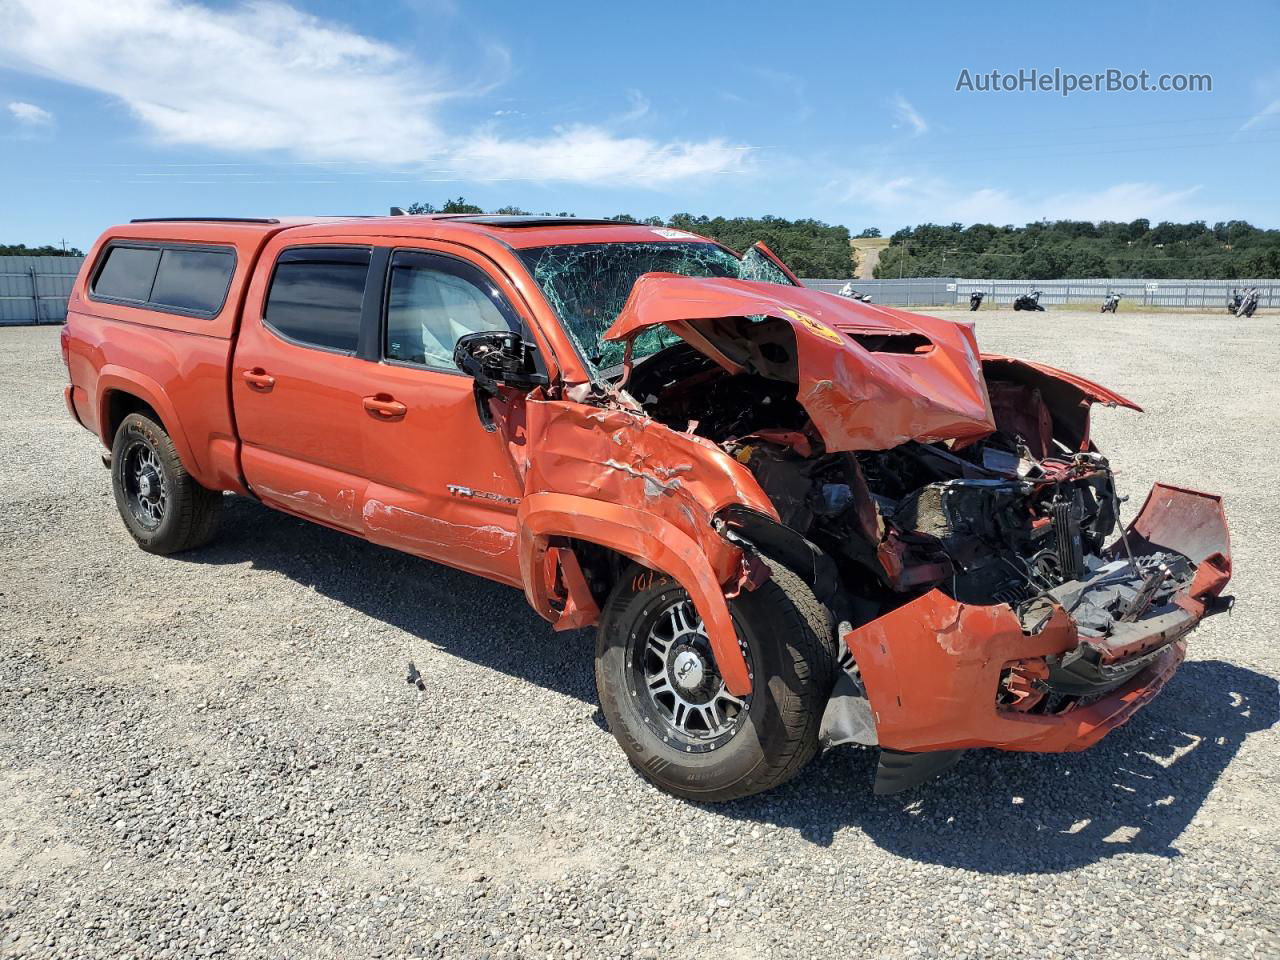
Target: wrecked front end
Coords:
[(950, 510), (1053, 666)]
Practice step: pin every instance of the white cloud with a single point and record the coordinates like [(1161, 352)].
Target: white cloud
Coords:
[(29, 115), (907, 114), (904, 199), (265, 77), (585, 153)]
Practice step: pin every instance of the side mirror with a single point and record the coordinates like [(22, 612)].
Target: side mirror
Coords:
[(495, 358)]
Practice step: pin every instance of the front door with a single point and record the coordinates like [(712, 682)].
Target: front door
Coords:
[(297, 384), (439, 485)]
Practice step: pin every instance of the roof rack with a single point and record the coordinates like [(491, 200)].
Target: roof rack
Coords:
[(205, 220), (502, 220)]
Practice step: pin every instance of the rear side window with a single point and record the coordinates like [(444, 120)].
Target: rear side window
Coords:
[(170, 279), (127, 274), (316, 296), (195, 280)]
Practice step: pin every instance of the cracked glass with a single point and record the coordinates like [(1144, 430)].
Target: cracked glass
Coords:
[(587, 285)]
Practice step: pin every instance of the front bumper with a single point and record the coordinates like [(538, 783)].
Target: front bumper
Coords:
[(932, 668)]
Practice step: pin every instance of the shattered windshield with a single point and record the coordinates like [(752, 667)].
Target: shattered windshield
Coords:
[(587, 285)]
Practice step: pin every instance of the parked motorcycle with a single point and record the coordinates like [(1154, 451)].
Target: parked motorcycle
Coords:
[(1109, 305), (848, 291), (1234, 301), (975, 300), (1028, 301), (1248, 303)]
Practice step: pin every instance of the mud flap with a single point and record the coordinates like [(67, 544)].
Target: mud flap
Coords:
[(900, 771), (848, 717)]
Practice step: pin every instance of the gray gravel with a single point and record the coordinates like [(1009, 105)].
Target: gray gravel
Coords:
[(218, 754)]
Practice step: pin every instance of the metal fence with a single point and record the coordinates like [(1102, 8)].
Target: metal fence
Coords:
[(35, 289), (943, 291), (908, 292)]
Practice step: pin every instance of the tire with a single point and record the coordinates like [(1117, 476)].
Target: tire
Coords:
[(786, 636), (162, 505)]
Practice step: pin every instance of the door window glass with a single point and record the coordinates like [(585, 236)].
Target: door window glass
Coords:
[(316, 296), (432, 301)]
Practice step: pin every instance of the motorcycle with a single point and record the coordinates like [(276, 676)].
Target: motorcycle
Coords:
[(1233, 302), (1249, 303), (975, 300), (1109, 305), (1028, 301), (848, 291)]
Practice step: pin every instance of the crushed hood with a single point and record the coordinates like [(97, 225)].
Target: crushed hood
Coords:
[(869, 377)]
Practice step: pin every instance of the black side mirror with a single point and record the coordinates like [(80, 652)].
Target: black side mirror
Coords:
[(496, 358)]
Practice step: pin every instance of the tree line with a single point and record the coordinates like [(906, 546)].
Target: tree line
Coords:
[(809, 247), (48, 250), (1070, 249)]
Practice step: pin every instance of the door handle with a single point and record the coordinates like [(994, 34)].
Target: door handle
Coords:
[(382, 405), (259, 379)]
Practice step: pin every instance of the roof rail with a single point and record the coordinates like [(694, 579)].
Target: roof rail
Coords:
[(530, 220), (204, 220)]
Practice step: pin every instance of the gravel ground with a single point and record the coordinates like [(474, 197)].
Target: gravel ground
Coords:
[(218, 755)]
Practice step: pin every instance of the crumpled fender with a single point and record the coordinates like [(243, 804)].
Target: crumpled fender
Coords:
[(645, 538), (1188, 522), (1069, 398), (1093, 392), (619, 479), (859, 397)]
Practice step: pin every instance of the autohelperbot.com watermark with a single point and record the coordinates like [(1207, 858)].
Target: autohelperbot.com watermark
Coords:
[(1065, 82)]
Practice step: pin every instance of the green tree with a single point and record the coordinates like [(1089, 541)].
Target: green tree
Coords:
[(48, 250), (460, 206)]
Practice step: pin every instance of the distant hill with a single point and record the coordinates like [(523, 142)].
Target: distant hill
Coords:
[(1051, 250), (866, 252)]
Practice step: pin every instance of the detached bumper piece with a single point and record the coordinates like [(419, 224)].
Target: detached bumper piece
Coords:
[(1056, 674), (898, 771)]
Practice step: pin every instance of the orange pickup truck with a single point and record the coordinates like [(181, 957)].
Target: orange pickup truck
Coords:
[(797, 519)]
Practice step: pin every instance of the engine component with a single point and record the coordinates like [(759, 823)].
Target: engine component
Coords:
[(966, 515), (1070, 544)]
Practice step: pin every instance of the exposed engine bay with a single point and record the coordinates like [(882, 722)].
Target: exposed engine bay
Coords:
[(1016, 517)]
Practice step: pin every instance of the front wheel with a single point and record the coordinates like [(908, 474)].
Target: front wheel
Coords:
[(163, 506), (668, 707)]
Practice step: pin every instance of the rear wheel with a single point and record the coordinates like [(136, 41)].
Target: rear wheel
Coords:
[(667, 705), (162, 505)]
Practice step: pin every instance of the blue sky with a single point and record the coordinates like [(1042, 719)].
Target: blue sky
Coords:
[(844, 112)]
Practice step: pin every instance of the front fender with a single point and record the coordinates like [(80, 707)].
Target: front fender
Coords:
[(645, 538)]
